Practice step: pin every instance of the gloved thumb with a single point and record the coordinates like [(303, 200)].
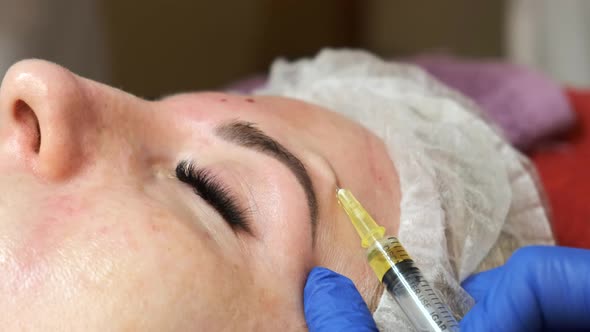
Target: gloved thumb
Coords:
[(332, 303)]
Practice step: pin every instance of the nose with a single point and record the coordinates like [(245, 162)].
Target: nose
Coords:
[(44, 116)]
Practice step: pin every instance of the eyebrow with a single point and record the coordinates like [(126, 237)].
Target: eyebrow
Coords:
[(247, 135)]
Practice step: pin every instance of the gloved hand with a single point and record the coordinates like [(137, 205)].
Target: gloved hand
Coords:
[(540, 288), (332, 303)]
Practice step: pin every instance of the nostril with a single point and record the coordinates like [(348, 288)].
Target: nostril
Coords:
[(29, 124)]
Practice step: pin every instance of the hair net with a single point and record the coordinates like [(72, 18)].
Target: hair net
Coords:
[(468, 198)]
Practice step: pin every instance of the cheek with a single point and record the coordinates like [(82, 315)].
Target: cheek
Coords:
[(60, 214), (75, 240), (188, 274), (44, 233)]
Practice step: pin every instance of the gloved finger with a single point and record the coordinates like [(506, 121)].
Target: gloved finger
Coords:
[(559, 278), (508, 305), (332, 303), (478, 285), (540, 288)]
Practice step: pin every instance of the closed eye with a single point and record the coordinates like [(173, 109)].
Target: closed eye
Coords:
[(212, 191)]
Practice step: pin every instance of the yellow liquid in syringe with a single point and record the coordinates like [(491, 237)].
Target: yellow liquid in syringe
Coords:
[(397, 271), (385, 253)]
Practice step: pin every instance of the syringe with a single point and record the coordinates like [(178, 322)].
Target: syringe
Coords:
[(397, 271)]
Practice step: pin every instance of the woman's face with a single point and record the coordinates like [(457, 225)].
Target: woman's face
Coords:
[(193, 212)]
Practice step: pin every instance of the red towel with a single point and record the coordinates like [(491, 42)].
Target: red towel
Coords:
[(564, 168)]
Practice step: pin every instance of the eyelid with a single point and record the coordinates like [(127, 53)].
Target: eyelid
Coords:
[(218, 196)]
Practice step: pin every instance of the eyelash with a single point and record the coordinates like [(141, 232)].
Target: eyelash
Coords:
[(214, 193)]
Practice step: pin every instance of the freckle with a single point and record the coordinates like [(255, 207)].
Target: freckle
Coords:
[(223, 100), (155, 228), (103, 230), (250, 100)]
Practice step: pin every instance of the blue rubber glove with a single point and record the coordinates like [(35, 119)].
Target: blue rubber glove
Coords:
[(540, 288), (332, 303)]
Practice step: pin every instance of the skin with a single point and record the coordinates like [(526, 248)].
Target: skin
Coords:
[(96, 233)]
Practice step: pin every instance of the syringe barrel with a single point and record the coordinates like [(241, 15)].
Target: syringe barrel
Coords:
[(418, 300), (404, 281)]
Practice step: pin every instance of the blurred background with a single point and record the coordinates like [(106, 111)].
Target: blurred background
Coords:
[(152, 48)]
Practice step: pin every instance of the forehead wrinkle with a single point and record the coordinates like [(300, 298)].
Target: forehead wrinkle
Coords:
[(247, 135)]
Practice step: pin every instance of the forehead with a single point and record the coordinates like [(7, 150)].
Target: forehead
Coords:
[(212, 102)]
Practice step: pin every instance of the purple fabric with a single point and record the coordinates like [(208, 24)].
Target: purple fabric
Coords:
[(526, 105)]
